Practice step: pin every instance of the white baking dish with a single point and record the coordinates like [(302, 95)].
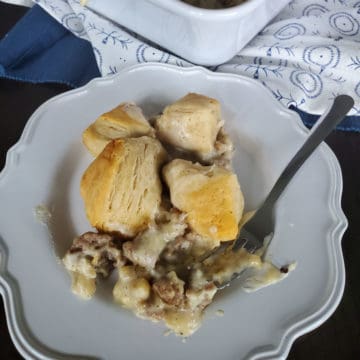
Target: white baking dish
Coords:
[(207, 37)]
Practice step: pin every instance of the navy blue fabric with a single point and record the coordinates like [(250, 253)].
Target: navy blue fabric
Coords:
[(350, 123), (40, 50)]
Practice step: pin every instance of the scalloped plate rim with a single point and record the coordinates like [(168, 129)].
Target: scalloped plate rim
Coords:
[(340, 223)]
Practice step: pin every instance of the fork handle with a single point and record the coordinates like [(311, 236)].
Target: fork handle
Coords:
[(327, 122)]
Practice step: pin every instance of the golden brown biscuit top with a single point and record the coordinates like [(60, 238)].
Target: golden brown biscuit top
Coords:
[(209, 195), (191, 124), (126, 120), (121, 188)]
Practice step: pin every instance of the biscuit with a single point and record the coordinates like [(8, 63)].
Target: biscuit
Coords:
[(126, 120), (121, 188), (209, 195), (191, 124)]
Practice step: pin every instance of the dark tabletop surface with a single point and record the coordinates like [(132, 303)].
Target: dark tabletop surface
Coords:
[(338, 337)]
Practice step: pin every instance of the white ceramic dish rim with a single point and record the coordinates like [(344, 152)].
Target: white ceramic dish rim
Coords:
[(188, 10), (8, 284)]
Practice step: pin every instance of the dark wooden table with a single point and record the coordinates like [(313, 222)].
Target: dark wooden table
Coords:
[(337, 338)]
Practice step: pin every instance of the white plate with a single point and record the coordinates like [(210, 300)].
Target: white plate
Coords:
[(47, 321)]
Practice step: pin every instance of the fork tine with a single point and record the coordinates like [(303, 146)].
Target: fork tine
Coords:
[(248, 241), (251, 247), (239, 243), (217, 251), (234, 276)]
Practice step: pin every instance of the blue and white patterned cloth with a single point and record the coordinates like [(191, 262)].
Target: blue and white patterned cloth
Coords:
[(306, 56)]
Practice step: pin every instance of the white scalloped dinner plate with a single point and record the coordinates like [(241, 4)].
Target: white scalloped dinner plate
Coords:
[(47, 321)]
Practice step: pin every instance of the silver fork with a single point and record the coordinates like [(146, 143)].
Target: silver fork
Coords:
[(262, 223)]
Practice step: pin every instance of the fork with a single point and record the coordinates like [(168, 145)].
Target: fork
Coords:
[(262, 223)]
